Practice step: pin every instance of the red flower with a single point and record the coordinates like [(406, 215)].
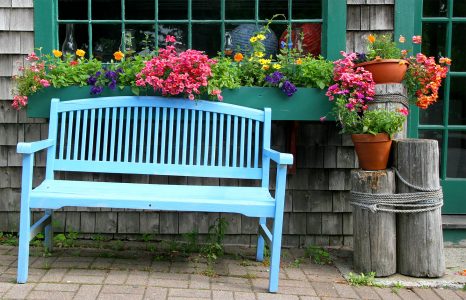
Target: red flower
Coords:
[(74, 63)]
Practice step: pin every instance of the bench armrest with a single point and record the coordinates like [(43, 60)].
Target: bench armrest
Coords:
[(279, 158), (29, 148)]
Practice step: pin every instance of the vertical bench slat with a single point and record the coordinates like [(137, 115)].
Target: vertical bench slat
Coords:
[(207, 138), (135, 134), (170, 135), (106, 125), (227, 146), (141, 135), (256, 145), (243, 128), (248, 158), (149, 134), (70, 134), (112, 138), (191, 140), (220, 141), (214, 139), (98, 136), (235, 141), (121, 121), (156, 133), (185, 136), (199, 139), (90, 148), (163, 137), (127, 128), (177, 142), (77, 133), (62, 135), (84, 138)]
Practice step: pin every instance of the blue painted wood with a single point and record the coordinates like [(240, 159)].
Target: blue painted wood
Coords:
[(139, 121)]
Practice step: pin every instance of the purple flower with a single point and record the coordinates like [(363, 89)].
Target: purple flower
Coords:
[(111, 75), (112, 85), (96, 90), (274, 78), (288, 88), (92, 80)]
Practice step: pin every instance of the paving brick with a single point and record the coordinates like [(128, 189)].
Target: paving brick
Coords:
[(426, 294), (295, 274), (119, 296), (407, 294), (461, 293), (5, 286), (324, 289), (155, 293), (345, 290), (122, 289), (168, 283), (447, 294), (387, 293), (366, 292), (19, 291), (88, 292), (189, 293), (310, 298), (244, 295), (269, 296), (56, 287), (138, 277), (83, 279), (222, 295), (199, 282), (225, 286), (116, 277), (54, 275)]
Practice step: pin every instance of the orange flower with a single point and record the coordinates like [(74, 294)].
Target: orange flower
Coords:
[(238, 57), (371, 38), (417, 39), (80, 53), (118, 55), (402, 39), (445, 60), (57, 53), (299, 61)]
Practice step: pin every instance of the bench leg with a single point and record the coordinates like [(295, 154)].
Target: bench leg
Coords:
[(260, 242), (48, 243), (23, 252)]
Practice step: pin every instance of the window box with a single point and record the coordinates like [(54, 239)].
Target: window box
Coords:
[(305, 104)]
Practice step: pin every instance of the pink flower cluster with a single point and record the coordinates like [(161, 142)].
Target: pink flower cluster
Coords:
[(19, 101), (354, 84), (175, 73)]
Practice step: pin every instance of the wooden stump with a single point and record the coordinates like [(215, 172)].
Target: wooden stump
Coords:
[(419, 235), (374, 234)]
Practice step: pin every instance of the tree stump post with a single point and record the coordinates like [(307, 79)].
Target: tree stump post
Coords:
[(374, 233), (419, 235)]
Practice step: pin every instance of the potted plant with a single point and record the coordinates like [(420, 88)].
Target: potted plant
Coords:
[(371, 130)]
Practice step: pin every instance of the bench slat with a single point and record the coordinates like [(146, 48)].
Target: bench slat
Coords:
[(185, 136), (127, 128), (235, 141), (121, 120), (62, 135), (214, 139), (191, 140), (248, 159), (70, 134), (141, 135), (98, 137), (256, 145), (106, 132), (149, 135), (112, 134), (84, 139), (90, 149), (241, 148), (227, 154), (77, 133), (206, 138), (170, 136), (199, 139), (220, 141), (134, 134), (177, 137), (156, 134)]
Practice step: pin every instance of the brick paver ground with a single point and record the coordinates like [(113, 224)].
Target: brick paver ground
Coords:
[(128, 274)]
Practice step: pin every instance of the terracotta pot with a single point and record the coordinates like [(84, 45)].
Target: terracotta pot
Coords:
[(372, 150), (386, 70)]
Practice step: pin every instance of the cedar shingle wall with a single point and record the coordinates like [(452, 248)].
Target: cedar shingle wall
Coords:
[(317, 209)]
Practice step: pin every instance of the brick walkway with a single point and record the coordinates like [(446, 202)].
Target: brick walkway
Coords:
[(106, 274)]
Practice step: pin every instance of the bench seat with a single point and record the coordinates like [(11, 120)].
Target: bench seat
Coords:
[(250, 201)]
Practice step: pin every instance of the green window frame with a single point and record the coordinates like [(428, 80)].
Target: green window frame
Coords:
[(333, 23)]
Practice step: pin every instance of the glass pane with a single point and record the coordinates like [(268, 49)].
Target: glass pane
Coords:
[(305, 9), (311, 39), (140, 10), (139, 37), (240, 35), (435, 8), (239, 9), (433, 39), (179, 31), (206, 9), (434, 135), (459, 8), (269, 8), (173, 9), (207, 38), (434, 114), (457, 47), (76, 32), (106, 40), (457, 101), (456, 165), (106, 10), (72, 9)]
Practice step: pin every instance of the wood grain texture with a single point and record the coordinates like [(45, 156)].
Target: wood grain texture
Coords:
[(419, 235), (374, 234)]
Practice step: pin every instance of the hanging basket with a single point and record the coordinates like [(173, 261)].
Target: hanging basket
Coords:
[(386, 70), (372, 150)]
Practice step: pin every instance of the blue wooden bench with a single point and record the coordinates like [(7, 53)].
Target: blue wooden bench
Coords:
[(155, 136)]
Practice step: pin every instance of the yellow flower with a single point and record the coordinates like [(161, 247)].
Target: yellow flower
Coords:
[(263, 61), (259, 54), (277, 66), (57, 53), (265, 67), (80, 53), (118, 55), (299, 61), (238, 57), (253, 39), (261, 37), (371, 38)]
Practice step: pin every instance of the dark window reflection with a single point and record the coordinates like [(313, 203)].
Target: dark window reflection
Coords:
[(458, 47), (106, 10), (72, 9), (239, 9), (435, 8), (456, 165), (305, 9), (457, 101), (459, 8), (434, 114), (434, 39), (139, 10)]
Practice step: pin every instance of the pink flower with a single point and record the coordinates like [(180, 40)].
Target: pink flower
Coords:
[(417, 39), (32, 57), (191, 97), (170, 39), (323, 118), (402, 39), (404, 52), (19, 102), (44, 82), (404, 111)]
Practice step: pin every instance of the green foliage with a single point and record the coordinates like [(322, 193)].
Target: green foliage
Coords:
[(38, 240), (397, 286), (66, 74), (383, 47), (313, 73), (8, 239), (214, 248), (225, 75), (192, 241), (363, 279), (318, 255), (62, 240), (296, 263)]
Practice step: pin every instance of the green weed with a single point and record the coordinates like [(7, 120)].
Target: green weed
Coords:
[(318, 255), (397, 286), (363, 279)]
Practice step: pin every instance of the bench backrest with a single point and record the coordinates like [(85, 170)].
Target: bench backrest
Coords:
[(158, 136)]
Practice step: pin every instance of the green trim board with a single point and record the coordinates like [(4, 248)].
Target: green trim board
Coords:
[(454, 236), (305, 104)]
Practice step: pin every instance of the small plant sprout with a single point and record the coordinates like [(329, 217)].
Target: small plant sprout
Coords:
[(363, 279), (318, 255)]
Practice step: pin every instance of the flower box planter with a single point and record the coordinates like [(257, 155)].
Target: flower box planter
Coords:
[(305, 104)]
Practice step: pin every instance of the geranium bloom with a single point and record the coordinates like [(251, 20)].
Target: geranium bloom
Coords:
[(74, 63), (19, 102), (118, 55), (170, 39), (402, 39), (44, 82), (238, 57), (417, 39), (57, 53), (32, 57), (371, 38), (445, 60), (80, 53), (403, 111)]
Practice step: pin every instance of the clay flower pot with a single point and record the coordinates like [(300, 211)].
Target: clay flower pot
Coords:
[(386, 70), (372, 150)]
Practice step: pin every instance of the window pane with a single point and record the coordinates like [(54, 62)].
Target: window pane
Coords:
[(306, 9), (72, 9), (79, 34), (139, 37), (458, 43), (106, 10), (207, 38), (434, 135), (140, 10), (269, 8), (434, 114), (173, 9), (307, 37), (239, 9), (106, 40), (206, 9), (433, 39), (435, 8), (457, 101), (459, 8), (179, 31), (240, 37), (456, 165)]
